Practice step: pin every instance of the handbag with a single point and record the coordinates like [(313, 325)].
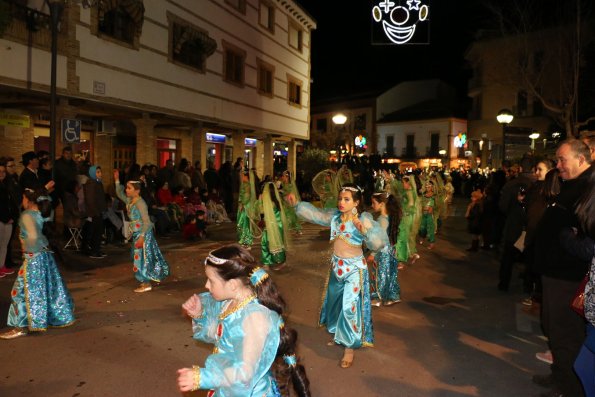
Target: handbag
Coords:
[(520, 242), (578, 301)]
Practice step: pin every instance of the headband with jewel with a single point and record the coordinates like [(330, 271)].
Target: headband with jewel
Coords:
[(257, 276), (214, 259), (351, 188)]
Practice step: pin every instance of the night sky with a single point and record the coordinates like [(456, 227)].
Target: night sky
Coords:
[(344, 62)]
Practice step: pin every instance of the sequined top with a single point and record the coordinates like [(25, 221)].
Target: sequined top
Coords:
[(345, 231), (31, 235), (140, 222)]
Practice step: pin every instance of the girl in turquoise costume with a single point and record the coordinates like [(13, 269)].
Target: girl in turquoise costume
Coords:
[(428, 225), (274, 236), (242, 315), (289, 186), (384, 285), (346, 310), (246, 219), (148, 262), (39, 297)]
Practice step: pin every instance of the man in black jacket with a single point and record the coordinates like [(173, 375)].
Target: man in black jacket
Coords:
[(95, 206), (562, 272), (64, 170), (29, 178)]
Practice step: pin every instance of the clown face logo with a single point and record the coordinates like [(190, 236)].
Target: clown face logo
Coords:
[(399, 20)]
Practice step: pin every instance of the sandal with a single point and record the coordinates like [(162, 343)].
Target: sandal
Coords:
[(144, 287), (347, 360), (13, 333)]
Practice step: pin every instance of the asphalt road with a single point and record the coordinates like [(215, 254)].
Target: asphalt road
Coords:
[(452, 335)]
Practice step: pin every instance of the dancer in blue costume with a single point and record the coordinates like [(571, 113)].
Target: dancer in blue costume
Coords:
[(39, 297), (242, 315), (346, 310), (384, 281), (148, 262)]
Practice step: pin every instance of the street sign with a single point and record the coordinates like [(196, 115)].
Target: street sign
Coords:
[(71, 131)]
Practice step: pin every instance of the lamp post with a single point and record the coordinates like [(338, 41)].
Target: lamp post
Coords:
[(504, 117), (340, 119), (533, 137), (56, 8)]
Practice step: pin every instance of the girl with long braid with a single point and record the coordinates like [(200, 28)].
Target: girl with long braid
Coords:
[(384, 285), (40, 298), (346, 310), (243, 316), (275, 236), (148, 262)]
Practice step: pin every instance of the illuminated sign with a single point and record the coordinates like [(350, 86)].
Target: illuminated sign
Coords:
[(249, 142), (399, 21), (15, 120), (460, 140), (215, 138), (361, 141)]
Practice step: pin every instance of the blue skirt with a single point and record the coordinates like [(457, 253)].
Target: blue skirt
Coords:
[(39, 297), (384, 282), (148, 262), (346, 309)]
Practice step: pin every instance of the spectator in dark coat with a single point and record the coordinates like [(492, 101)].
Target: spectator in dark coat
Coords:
[(562, 272), (166, 174), (65, 170), (29, 178), (16, 197), (95, 206), (211, 178)]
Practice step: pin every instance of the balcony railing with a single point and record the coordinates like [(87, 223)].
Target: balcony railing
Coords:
[(34, 19)]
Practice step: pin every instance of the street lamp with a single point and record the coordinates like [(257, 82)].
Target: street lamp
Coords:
[(533, 137), (56, 8), (339, 119), (504, 117)]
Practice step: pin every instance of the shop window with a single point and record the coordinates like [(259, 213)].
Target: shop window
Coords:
[(166, 150), (233, 64), (434, 144), (190, 46), (410, 147), (266, 16), (295, 37), (294, 91), (266, 74), (124, 156)]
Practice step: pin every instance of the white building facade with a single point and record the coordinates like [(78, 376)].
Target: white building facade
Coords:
[(154, 80)]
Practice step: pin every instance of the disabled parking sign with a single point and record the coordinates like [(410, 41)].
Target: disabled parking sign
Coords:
[(71, 131)]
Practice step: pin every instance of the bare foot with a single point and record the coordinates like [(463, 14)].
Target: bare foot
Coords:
[(347, 360)]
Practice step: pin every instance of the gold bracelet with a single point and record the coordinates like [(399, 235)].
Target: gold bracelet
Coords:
[(196, 371)]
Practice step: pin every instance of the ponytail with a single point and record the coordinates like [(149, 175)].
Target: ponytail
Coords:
[(395, 214), (235, 262)]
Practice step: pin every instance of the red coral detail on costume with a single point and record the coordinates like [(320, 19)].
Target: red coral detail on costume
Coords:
[(21, 272), (340, 262), (355, 327), (355, 289), (340, 272), (13, 292), (353, 309), (348, 270), (135, 269), (138, 225), (348, 235), (342, 227), (219, 330), (136, 257), (211, 393)]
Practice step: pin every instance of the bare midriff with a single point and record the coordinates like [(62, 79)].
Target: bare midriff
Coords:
[(345, 250)]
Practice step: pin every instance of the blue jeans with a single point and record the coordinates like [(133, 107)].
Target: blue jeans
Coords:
[(584, 365)]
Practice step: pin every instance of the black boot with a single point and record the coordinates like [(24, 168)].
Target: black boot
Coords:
[(474, 246)]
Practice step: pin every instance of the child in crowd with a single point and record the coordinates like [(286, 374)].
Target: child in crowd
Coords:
[(474, 219), (384, 285), (275, 237), (243, 316), (40, 298), (148, 262), (346, 309), (195, 227)]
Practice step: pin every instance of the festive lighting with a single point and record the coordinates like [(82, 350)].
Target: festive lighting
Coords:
[(399, 22), (339, 119)]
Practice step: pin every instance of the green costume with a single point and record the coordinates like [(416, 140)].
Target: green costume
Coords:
[(274, 237), (292, 219), (406, 225), (246, 225), (428, 224)]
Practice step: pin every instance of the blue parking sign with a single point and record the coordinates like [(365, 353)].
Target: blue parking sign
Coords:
[(71, 131)]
